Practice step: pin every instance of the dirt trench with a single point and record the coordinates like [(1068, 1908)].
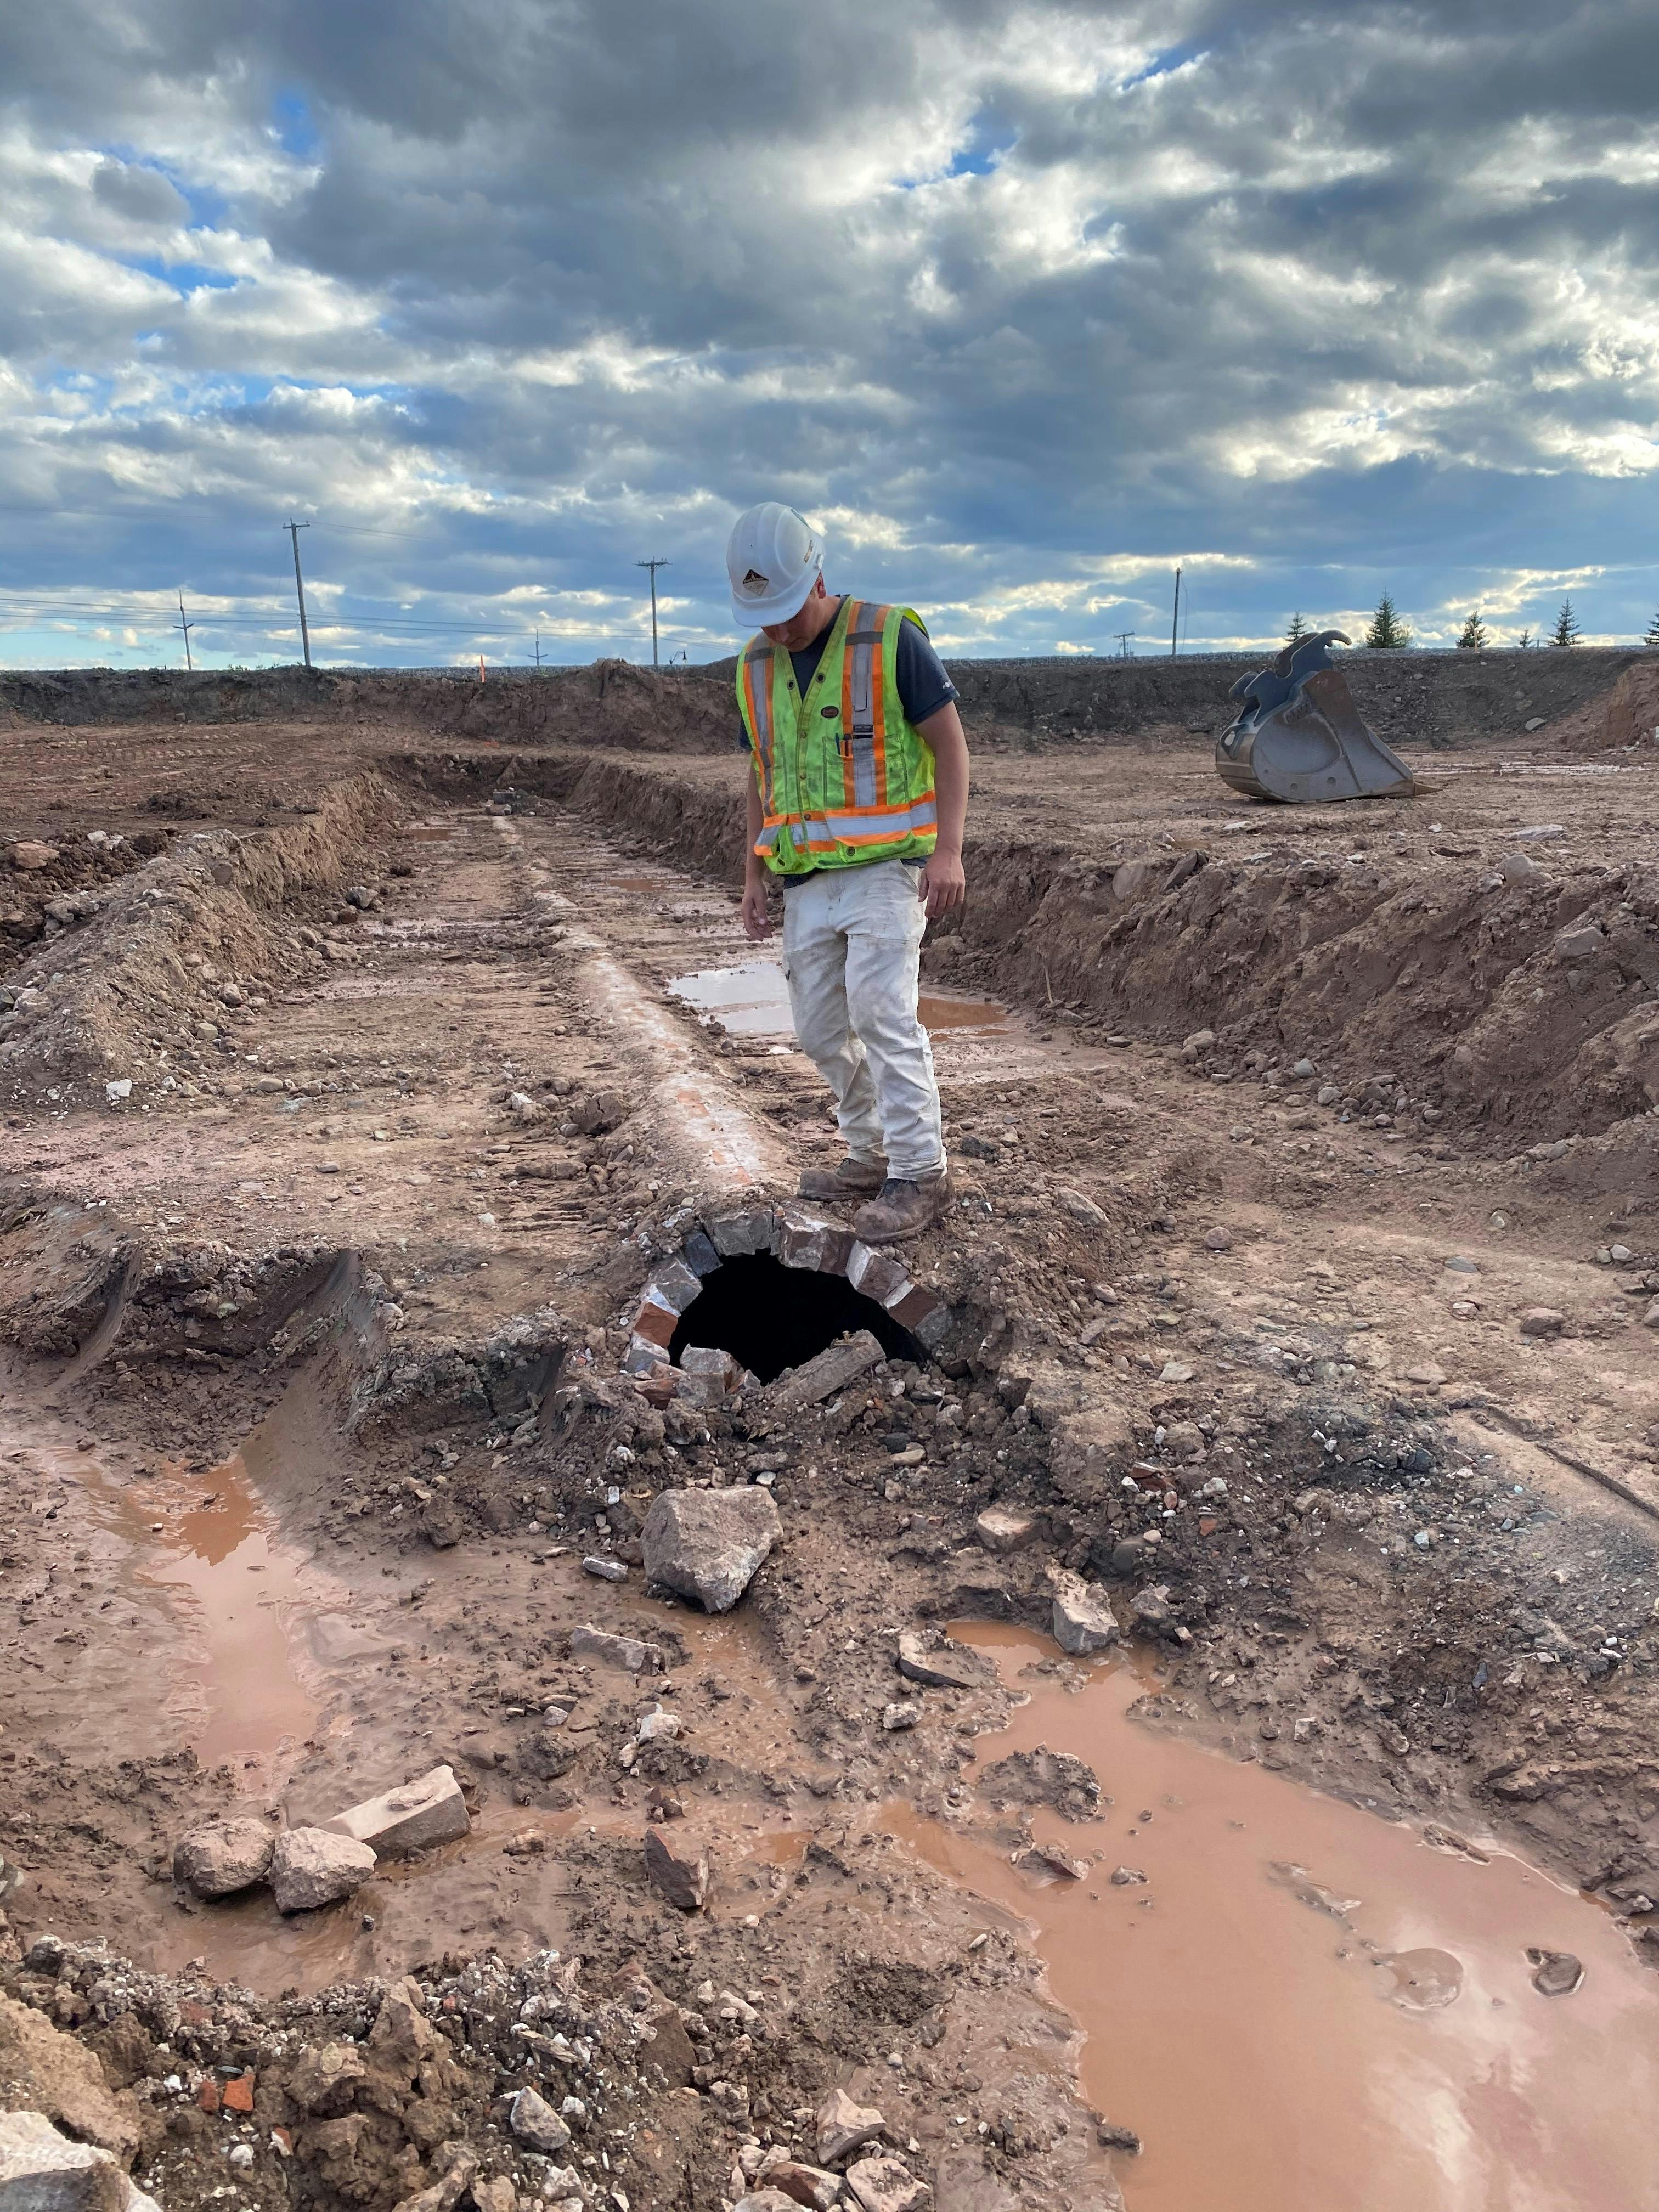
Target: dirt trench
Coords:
[(345, 1298)]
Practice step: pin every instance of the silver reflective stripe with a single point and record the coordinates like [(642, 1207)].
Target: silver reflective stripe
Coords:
[(849, 829), (864, 771), (864, 652), (759, 665)]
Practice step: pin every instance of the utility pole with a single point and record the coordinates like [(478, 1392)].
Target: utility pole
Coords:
[(652, 566), (1175, 619), (186, 626), (294, 530), (538, 653), (1123, 637)]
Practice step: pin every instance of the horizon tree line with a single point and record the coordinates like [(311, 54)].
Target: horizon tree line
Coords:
[(1388, 633)]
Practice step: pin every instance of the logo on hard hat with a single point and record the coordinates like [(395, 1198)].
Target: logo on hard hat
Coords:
[(756, 585)]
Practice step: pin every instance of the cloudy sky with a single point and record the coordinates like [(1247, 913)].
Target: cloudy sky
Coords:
[(1024, 304)]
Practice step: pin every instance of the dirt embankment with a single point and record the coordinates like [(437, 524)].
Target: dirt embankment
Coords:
[(1522, 1006), (1601, 696), (114, 1001)]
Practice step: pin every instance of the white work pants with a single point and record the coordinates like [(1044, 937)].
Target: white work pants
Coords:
[(852, 945)]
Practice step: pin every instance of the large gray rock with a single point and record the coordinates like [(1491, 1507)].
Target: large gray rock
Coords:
[(411, 1818), (311, 1867), (224, 1856), (41, 2171), (708, 1544), (1083, 1617)]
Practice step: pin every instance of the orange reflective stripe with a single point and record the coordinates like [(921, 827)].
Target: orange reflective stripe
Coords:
[(844, 734)]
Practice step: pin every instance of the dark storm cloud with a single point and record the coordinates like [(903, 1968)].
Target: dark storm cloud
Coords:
[(1024, 302)]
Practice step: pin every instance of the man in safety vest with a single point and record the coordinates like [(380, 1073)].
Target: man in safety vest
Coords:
[(856, 806)]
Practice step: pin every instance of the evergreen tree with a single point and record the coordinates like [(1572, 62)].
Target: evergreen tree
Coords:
[(1474, 635), (1650, 634), (1525, 640), (1387, 632), (1566, 626), (1299, 629)]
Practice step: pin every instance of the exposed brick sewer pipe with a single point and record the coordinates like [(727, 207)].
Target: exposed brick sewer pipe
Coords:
[(722, 1151)]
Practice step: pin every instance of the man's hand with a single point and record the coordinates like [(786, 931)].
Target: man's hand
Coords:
[(757, 922), (942, 884)]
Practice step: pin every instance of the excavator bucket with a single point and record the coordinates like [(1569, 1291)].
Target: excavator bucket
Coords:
[(1298, 735)]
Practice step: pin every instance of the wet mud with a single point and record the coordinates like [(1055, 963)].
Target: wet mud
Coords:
[(326, 1445), (1293, 2002)]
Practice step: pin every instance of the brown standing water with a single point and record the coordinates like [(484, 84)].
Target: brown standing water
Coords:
[(752, 999), (1305, 2009)]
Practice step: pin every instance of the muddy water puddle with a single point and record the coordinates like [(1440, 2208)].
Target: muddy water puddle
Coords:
[(242, 1600), (752, 999), (1301, 2006)]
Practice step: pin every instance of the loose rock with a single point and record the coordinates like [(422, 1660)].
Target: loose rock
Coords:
[(310, 1868), (46, 2071), (1558, 1973), (811, 2186), (534, 2121), (709, 1544), (628, 1652), (681, 1872), (1001, 1529), (1542, 1320), (224, 1857), (937, 1663), (1083, 1618), (41, 2171), (843, 2126), (884, 2184)]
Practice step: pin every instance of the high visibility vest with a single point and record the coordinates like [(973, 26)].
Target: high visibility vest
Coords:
[(845, 777)]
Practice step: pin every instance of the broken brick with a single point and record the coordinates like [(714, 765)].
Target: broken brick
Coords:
[(209, 2099), (655, 1323), (239, 2094)]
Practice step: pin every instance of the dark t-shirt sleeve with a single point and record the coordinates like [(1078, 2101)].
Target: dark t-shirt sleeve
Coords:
[(923, 685)]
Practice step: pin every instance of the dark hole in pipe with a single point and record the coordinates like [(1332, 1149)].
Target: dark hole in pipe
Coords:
[(770, 1316)]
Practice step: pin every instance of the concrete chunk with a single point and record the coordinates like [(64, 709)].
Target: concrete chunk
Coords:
[(820, 1377), (429, 1810)]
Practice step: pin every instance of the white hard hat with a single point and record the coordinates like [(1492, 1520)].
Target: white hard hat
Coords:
[(773, 558)]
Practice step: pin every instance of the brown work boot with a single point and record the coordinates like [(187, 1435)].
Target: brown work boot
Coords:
[(848, 1179), (904, 1208)]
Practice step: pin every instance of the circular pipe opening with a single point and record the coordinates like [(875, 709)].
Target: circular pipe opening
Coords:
[(770, 1316)]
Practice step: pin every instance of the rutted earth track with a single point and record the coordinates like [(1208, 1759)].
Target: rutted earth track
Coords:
[(390, 1225)]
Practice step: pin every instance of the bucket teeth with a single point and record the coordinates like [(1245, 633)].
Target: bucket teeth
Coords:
[(1298, 737)]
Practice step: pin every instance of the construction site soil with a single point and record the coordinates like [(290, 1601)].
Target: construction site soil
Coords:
[(1296, 1308)]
